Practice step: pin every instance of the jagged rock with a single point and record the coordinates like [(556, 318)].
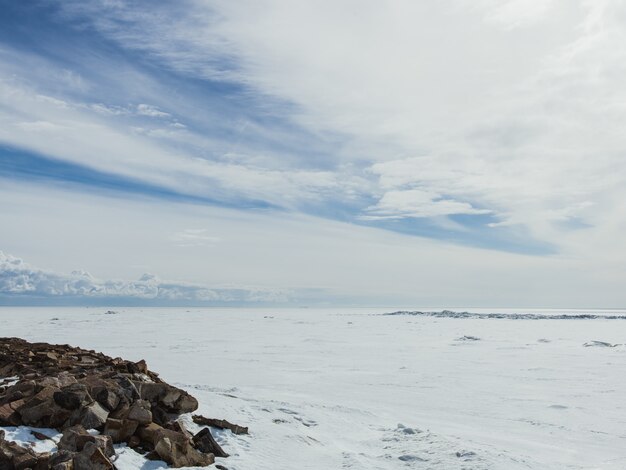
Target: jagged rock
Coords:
[(13, 456), (38, 410), (178, 427), (149, 433), (140, 412), (204, 442), (134, 442), (62, 460), (171, 398), (92, 458), (72, 396), (180, 453), (70, 435), (94, 416), (76, 438), (120, 430), (219, 423), (103, 442), (107, 397), (73, 389), (8, 414)]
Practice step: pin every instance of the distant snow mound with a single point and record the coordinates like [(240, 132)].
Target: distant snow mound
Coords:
[(600, 344), (468, 338), (506, 316)]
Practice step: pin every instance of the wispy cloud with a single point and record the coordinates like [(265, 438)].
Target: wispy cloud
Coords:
[(502, 138), (496, 124), (194, 237)]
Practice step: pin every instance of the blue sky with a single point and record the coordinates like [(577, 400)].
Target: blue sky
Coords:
[(481, 138)]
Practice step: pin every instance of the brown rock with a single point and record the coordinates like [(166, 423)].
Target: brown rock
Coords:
[(107, 397), (92, 458), (181, 454), (72, 397), (38, 415), (134, 442), (120, 430), (140, 412), (94, 416), (62, 460), (70, 436), (103, 442), (8, 416), (149, 433), (204, 442), (219, 423), (13, 456)]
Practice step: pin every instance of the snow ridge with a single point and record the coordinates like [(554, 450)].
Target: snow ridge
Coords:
[(506, 316)]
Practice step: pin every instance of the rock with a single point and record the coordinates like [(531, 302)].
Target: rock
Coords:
[(134, 442), (103, 442), (76, 438), (13, 456), (140, 412), (149, 433), (185, 404), (8, 415), (120, 430), (72, 396), (92, 458), (39, 435), (38, 410), (219, 423), (171, 398), (204, 442), (73, 390), (94, 416), (70, 436), (62, 460), (181, 454), (107, 397), (178, 427)]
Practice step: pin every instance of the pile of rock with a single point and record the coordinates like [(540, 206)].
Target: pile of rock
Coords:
[(75, 390)]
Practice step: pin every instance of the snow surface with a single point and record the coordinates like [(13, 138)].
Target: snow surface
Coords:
[(354, 389)]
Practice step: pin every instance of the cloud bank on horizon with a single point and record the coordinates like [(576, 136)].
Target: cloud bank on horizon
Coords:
[(21, 283), (488, 128)]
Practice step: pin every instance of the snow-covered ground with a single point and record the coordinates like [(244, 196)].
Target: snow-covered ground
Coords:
[(352, 389)]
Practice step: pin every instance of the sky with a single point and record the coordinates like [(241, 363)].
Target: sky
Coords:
[(345, 152)]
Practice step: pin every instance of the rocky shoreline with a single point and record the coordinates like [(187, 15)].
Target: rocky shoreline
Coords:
[(96, 401)]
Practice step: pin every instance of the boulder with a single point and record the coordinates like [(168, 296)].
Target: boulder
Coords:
[(74, 390), (120, 430), (92, 458), (70, 436), (219, 423), (149, 433), (103, 442), (181, 453), (204, 442), (107, 397), (13, 456), (94, 416), (72, 396), (140, 412)]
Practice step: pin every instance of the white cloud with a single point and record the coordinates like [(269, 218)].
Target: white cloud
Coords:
[(515, 102), (417, 203), (512, 108), (19, 279), (152, 111), (194, 237), (308, 259)]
